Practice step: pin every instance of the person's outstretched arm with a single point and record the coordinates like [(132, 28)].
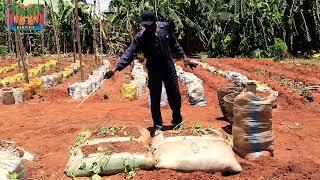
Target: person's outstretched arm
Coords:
[(129, 55), (175, 46), (126, 58)]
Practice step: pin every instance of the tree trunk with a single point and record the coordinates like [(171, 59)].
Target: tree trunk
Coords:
[(83, 40), (17, 49), (10, 41), (95, 48), (11, 45), (55, 31), (29, 42), (100, 24), (21, 56), (74, 38), (42, 42), (78, 38), (64, 43)]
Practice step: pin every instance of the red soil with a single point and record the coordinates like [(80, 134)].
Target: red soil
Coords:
[(248, 67), (116, 147)]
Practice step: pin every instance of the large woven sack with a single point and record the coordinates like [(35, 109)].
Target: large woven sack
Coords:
[(18, 95), (187, 78), (46, 81), (85, 89), (222, 92), (252, 125), (59, 77), (228, 102), (37, 85), (7, 94), (196, 94), (237, 78), (81, 166), (164, 97), (110, 163), (141, 86), (12, 161), (75, 91), (27, 90), (195, 153), (129, 91)]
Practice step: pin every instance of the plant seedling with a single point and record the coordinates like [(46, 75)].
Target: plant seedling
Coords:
[(14, 175), (128, 169)]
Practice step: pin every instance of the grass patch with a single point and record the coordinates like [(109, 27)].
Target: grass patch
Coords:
[(298, 61)]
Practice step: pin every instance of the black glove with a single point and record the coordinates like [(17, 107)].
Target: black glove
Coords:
[(192, 65), (109, 74)]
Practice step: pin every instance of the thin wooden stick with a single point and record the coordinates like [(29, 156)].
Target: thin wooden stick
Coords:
[(90, 94)]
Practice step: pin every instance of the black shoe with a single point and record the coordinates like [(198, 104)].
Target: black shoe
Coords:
[(155, 132)]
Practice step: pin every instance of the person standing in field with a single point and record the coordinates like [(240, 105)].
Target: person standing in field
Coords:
[(157, 41)]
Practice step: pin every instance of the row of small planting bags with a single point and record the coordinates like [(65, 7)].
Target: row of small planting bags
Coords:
[(113, 150), (32, 73), (26, 91), (7, 69)]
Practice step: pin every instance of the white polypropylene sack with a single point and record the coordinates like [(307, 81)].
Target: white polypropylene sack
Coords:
[(53, 80), (75, 90), (46, 81), (141, 86), (193, 153), (81, 166), (12, 160), (196, 94), (212, 69), (188, 78), (84, 89), (164, 97), (49, 81), (237, 78), (75, 67), (140, 78), (179, 70), (18, 95)]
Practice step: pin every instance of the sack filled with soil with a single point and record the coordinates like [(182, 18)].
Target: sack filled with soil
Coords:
[(252, 124), (222, 92), (196, 94), (193, 151), (228, 105), (12, 161), (110, 152), (129, 91)]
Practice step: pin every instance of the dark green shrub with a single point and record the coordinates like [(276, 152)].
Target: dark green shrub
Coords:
[(278, 49)]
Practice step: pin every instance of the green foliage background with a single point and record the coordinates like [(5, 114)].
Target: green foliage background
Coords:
[(254, 28)]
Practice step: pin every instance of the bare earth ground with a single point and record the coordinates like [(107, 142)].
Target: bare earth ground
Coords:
[(48, 125)]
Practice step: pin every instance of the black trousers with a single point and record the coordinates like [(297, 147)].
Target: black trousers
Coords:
[(170, 80)]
